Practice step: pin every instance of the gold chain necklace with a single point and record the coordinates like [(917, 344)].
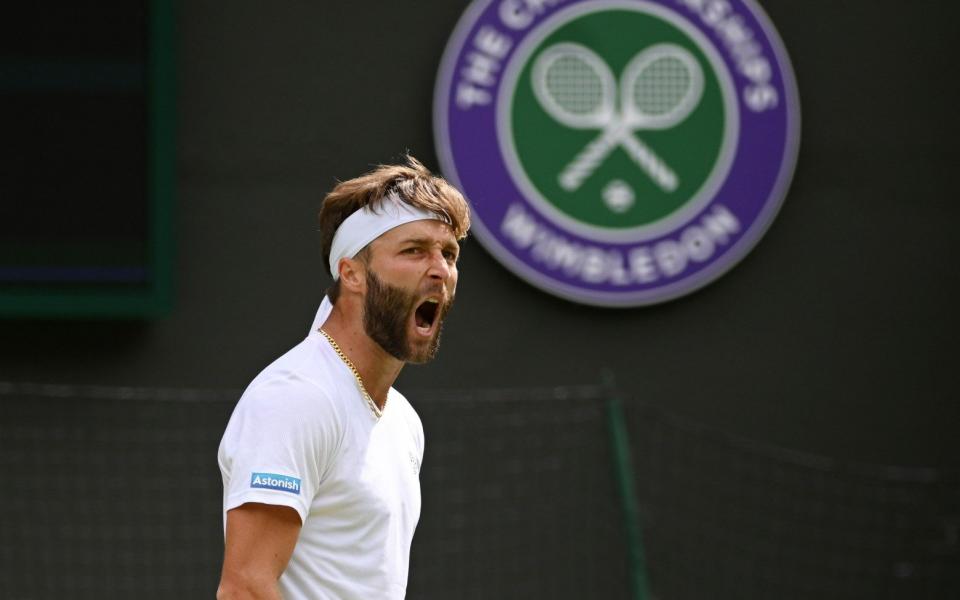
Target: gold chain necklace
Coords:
[(363, 390)]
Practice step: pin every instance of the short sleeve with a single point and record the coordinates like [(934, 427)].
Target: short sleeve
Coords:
[(279, 444)]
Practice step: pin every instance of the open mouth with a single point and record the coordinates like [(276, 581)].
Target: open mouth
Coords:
[(426, 315)]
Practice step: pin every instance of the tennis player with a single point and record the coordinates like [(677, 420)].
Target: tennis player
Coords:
[(321, 457)]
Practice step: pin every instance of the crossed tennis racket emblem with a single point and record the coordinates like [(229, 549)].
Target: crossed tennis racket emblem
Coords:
[(658, 89)]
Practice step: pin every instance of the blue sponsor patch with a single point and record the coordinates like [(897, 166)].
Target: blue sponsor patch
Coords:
[(272, 481)]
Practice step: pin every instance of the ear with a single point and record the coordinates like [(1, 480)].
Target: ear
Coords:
[(353, 275)]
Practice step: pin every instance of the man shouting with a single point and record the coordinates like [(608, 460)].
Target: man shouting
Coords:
[(321, 457)]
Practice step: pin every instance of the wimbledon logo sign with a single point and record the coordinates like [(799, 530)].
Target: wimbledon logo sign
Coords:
[(618, 152)]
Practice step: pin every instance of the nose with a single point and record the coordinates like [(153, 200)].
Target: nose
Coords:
[(439, 268)]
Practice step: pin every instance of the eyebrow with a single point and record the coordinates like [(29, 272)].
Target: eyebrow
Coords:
[(447, 245)]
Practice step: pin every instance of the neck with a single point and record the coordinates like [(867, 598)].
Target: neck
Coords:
[(377, 369)]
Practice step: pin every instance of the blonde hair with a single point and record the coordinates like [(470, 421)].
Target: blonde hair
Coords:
[(412, 182)]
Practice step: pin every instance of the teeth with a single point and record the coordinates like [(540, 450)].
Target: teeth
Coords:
[(433, 301)]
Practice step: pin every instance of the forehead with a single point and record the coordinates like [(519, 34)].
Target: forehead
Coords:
[(429, 230)]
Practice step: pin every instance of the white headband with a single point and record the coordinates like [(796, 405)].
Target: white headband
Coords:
[(365, 225)]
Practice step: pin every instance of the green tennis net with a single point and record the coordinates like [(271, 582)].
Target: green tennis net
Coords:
[(115, 492)]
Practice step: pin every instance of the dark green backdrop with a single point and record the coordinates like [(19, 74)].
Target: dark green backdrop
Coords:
[(835, 336)]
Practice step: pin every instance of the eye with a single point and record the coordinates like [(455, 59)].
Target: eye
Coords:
[(450, 255), (411, 250)]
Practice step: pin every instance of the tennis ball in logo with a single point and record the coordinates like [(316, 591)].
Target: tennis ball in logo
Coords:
[(627, 71)]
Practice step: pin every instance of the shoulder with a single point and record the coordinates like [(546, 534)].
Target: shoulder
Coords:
[(298, 387), (290, 412)]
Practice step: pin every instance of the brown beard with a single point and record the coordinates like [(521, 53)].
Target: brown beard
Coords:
[(386, 312)]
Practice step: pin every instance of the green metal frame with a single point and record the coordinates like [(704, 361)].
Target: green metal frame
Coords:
[(624, 474), (154, 300)]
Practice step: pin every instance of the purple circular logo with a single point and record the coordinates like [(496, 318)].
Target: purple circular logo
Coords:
[(618, 152)]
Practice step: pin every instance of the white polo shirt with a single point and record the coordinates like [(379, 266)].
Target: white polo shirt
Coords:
[(303, 436)]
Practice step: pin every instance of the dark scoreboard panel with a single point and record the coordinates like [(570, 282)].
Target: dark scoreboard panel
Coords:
[(86, 174)]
